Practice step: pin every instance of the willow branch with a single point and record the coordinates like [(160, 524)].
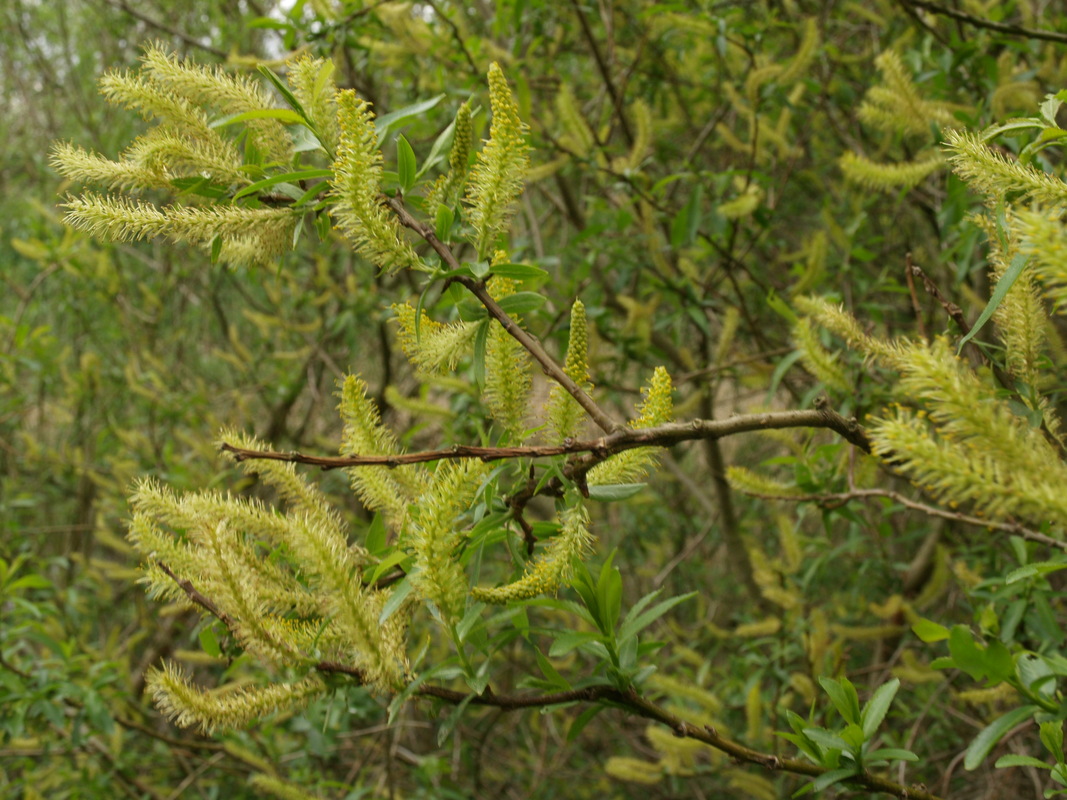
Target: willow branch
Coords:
[(456, 34), (633, 703), (197, 598), (595, 450), (605, 73), (988, 24), (834, 500), (192, 41), (529, 342), (629, 700)]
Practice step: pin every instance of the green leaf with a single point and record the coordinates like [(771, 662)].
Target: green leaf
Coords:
[(406, 166), (283, 90), (832, 777), (1021, 123), (582, 720), (686, 222), (440, 149), (780, 370), (268, 22), (781, 308), (209, 643), (874, 712), (634, 624), (376, 539), (201, 187), (453, 719), (1007, 280), (827, 739), (550, 672), (805, 745), (470, 619), (1035, 673), (522, 302), (387, 564), (1037, 568), (1049, 108), (615, 491), (283, 114), (443, 222), (985, 741), (519, 272), (843, 696), (965, 653), (30, 582), (288, 177), (993, 662), (854, 736), (609, 597), (1052, 738), (1012, 760), (402, 116), (892, 754), (480, 338), (305, 139), (930, 631), (566, 642), (396, 599)]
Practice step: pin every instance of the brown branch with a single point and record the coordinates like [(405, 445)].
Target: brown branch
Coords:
[(192, 41), (953, 310), (198, 599), (529, 342), (456, 34), (980, 22), (605, 73), (835, 500), (910, 273), (596, 450)]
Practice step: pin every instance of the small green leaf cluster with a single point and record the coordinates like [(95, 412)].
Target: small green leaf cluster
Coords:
[(849, 751), (614, 643)]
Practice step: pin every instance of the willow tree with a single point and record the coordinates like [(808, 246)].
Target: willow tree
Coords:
[(319, 604)]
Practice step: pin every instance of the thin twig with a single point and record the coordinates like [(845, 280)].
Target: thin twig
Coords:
[(835, 500), (529, 342), (167, 29), (605, 73), (456, 34), (988, 24), (909, 273), (1002, 376), (953, 310)]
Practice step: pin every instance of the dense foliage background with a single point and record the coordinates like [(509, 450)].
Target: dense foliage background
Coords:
[(696, 167)]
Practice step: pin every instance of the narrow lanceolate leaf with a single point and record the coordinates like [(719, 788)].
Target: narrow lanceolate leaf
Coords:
[(497, 179), (875, 710), (985, 741), (1003, 286)]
